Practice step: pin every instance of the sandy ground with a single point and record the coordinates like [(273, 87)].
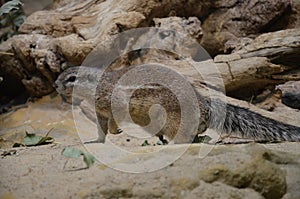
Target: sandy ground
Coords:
[(42, 172)]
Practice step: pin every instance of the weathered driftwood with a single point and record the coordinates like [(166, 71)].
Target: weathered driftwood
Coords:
[(265, 61)]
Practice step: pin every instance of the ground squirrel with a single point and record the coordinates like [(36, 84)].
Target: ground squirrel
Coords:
[(236, 120)]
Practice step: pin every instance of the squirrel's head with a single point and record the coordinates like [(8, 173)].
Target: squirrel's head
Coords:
[(65, 83), (77, 83)]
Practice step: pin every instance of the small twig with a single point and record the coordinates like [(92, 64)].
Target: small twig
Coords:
[(251, 100), (6, 53), (65, 164), (49, 132)]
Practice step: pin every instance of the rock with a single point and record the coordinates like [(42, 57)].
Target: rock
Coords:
[(268, 174), (71, 31), (237, 44), (290, 94), (240, 19), (290, 19), (192, 25), (221, 190), (55, 24)]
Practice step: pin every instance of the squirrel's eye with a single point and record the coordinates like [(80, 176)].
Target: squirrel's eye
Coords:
[(72, 79)]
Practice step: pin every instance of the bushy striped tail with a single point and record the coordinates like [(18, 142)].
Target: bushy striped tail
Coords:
[(247, 124)]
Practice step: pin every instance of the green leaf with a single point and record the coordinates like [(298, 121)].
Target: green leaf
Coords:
[(88, 159), (9, 6), (71, 152), (76, 153), (31, 139)]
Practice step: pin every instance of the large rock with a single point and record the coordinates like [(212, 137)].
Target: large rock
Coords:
[(66, 34), (290, 94), (241, 19), (251, 171)]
